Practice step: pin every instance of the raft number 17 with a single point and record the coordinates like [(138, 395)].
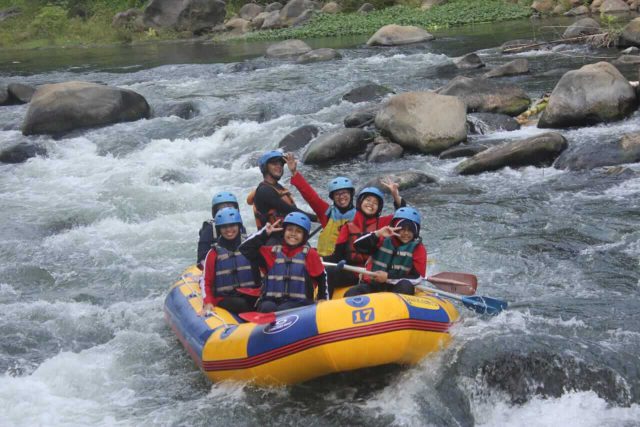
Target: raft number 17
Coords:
[(364, 315)]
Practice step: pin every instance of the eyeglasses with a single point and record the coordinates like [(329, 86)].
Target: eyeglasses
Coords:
[(341, 193)]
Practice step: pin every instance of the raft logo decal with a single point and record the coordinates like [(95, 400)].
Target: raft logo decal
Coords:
[(363, 316), (359, 301), (281, 324), (420, 302)]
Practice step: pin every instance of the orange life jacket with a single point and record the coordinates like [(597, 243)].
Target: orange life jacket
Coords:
[(272, 215)]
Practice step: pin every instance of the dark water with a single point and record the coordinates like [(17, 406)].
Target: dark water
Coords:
[(94, 233)]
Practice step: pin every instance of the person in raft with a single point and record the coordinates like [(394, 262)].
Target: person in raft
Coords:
[(398, 257), (331, 217), (207, 232), (230, 281), (292, 270), (270, 200), (367, 219)]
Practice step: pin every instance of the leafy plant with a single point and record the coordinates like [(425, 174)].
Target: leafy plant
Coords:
[(51, 21)]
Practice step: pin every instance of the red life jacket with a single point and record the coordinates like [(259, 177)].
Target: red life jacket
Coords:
[(355, 232)]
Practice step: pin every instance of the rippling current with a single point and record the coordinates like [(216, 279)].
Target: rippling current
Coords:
[(93, 234)]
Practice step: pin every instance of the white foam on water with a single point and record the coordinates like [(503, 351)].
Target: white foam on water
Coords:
[(575, 409)]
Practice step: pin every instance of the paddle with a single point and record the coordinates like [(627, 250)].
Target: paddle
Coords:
[(479, 304), (459, 283), (262, 318)]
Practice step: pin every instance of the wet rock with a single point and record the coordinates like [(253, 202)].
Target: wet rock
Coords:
[(484, 123), (590, 155), (630, 35), (539, 150), (481, 95), (366, 93), (462, 150), (16, 93), (595, 93), (273, 7), (61, 107), (287, 48), (250, 11), (186, 15), (423, 121), (633, 50), (185, 110), (361, 118), (338, 145), (366, 8), (4, 95), (405, 180), (512, 68), (582, 27), (394, 35), (385, 152), (298, 138), (627, 59), (577, 11), (468, 62), (21, 152), (318, 55)]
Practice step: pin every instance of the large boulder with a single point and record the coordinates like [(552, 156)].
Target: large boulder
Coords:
[(271, 21), (385, 152), (292, 10), (238, 26), (184, 15), (613, 6), (21, 152), (468, 62), (287, 48), (484, 123), (405, 180), (511, 68), (273, 6), (539, 150), (61, 107), (318, 55), (366, 93), (361, 118), (298, 138), (582, 27), (331, 7), (393, 35), (338, 145), (423, 121), (577, 11), (543, 6), (589, 155), (595, 93), (250, 11), (630, 35), (481, 95)]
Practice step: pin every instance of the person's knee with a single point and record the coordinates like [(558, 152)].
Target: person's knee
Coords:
[(404, 287), (267, 307)]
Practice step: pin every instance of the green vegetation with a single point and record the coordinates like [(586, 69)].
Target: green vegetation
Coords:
[(455, 12)]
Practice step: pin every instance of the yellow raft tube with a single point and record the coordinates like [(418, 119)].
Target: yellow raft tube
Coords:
[(333, 336)]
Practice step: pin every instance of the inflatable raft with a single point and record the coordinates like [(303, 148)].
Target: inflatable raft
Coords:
[(333, 336)]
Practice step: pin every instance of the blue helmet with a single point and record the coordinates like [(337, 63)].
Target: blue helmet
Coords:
[(407, 213), (299, 219), (269, 155), (223, 197), (226, 216), (371, 191), (340, 183)]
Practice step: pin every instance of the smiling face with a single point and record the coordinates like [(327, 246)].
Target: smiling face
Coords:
[(341, 198), (370, 205), (230, 232), (275, 168), (293, 235), (406, 233)]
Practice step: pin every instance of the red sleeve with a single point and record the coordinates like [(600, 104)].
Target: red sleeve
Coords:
[(420, 260), (384, 221), (343, 237), (209, 277), (318, 205), (267, 254), (313, 263)]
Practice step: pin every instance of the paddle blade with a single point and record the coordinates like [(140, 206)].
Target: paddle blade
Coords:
[(457, 283), (257, 317), (484, 305)]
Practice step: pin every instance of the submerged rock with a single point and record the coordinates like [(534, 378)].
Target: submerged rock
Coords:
[(468, 62), (512, 68), (318, 55), (484, 123), (338, 145), (287, 48), (590, 155), (405, 180), (21, 152), (462, 150), (385, 152), (298, 138), (366, 93)]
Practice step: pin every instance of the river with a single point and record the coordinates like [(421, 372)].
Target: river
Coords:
[(94, 233)]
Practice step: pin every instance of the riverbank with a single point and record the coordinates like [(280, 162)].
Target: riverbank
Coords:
[(37, 27)]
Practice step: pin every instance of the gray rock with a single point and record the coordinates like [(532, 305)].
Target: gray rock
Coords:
[(512, 68), (303, 18), (361, 118), (627, 59), (599, 153), (577, 11), (16, 93), (338, 145), (485, 123), (127, 18), (250, 11), (62, 107), (595, 93), (481, 95), (366, 93), (385, 152), (394, 35), (405, 180), (582, 27), (185, 110), (271, 21), (294, 9), (21, 152), (273, 7), (613, 6), (633, 50), (423, 121), (318, 55), (539, 150), (298, 138), (366, 8), (630, 35), (462, 150), (287, 48), (185, 15), (258, 20), (468, 62)]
